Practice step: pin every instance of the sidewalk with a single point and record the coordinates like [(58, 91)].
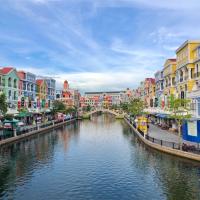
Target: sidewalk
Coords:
[(158, 133)]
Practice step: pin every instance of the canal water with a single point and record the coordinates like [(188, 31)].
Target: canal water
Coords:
[(94, 159)]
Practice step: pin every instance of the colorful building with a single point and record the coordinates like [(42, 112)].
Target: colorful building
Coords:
[(107, 98), (194, 94), (169, 76), (185, 73), (10, 86), (159, 84), (149, 92), (27, 90), (70, 97), (42, 93)]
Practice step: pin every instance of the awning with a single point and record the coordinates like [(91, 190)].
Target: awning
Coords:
[(162, 116), (24, 114), (11, 121)]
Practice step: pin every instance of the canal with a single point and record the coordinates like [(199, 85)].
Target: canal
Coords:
[(94, 159)]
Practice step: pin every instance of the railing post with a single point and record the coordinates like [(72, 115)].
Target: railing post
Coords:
[(153, 139), (161, 142), (15, 132), (173, 145)]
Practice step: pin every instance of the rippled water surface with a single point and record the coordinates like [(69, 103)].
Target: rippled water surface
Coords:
[(95, 159)]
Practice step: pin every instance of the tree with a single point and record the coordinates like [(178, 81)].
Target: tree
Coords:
[(180, 111), (136, 107), (124, 106), (58, 106), (3, 104), (115, 106), (88, 108), (71, 110)]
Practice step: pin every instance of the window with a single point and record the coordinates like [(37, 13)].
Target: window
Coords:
[(15, 95), (198, 52), (28, 87), (9, 82), (9, 94), (192, 73), (15, 83)]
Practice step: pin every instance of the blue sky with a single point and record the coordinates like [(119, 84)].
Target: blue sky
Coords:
[(95, 44)]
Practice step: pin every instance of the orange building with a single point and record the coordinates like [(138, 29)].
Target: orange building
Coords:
[(41, 93)]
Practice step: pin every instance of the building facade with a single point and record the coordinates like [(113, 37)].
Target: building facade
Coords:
[(159, 86), (10, 87), (169, 76), (41, 94), (70, 97), (27, 90)]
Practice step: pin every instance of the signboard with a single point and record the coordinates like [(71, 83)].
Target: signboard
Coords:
[(192, 128)]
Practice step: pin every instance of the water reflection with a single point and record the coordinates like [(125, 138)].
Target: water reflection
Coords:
[(94, 159)]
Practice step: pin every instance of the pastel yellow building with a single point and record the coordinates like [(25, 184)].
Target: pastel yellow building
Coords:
[(169, 75), (194, 94), (185, 73)]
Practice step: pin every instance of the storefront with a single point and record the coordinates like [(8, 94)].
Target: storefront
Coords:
[(191, 130)]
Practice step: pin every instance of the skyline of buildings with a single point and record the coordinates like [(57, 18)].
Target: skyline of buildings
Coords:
[(178, 78)]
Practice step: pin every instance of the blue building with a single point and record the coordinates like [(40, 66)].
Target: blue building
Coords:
[(27, 89), (159, 81)]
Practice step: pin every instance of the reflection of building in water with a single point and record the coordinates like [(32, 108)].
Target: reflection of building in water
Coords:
[(35, 150)]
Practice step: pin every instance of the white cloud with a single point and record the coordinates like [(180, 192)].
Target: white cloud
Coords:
[(113, 66)]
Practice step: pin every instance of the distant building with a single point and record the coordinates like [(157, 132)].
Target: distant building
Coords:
[(51, 89), (159, 81), (106, 98), (70, 97), (42, 93)]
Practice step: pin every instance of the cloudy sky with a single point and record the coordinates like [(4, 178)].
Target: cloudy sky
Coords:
[(95, 44)]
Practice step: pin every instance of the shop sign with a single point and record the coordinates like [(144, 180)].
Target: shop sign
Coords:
[(192, 128)]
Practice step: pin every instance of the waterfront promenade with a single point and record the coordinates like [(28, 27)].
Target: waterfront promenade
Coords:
[(156, 132)]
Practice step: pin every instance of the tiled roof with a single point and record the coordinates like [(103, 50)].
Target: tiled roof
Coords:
[(172, 59), (6, 70), (39, 81)]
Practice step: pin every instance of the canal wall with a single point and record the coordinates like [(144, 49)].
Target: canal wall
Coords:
[(39, 131), (179, 153)]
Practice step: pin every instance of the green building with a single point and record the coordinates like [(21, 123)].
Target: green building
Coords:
[(9, 84)]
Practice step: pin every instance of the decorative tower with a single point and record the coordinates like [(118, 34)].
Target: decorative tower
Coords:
[(66, 85)]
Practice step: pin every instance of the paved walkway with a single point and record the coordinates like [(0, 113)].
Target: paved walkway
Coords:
[(158, 133)]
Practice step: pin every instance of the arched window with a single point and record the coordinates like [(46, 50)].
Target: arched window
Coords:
[(31, 87), (181, 76), (15, 83), (15, 95), (9, 82), (9, 94), (28, 87)]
